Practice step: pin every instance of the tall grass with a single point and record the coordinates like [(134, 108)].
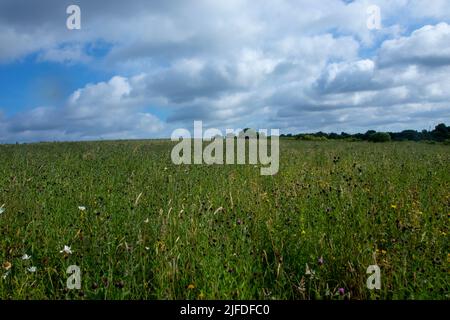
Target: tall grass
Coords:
[(153, 230)]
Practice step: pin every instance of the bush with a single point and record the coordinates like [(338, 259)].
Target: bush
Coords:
[(380, 137), (308, 137)]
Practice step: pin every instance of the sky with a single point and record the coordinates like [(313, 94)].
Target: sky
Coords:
[(141, 69)]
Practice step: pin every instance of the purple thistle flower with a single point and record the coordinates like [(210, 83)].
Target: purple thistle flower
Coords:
[(341, 291)]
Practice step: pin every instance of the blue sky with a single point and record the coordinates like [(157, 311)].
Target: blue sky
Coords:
[(23, 82), (141, 69)]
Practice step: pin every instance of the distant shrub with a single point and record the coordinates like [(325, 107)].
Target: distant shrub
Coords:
[(447, 142), (380, 137), (308, 137)]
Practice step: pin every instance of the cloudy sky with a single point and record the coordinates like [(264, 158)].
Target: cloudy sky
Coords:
[(140, 69)]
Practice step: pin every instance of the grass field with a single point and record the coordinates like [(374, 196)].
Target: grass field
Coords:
[(153, 230)]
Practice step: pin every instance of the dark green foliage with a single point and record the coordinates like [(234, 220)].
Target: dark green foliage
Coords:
[(379, 137), (440, 133)]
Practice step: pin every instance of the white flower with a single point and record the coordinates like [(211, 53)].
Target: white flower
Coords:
[(147, 248), (32, 269), (2, 209), (147, 220), (309, 272), (66, 250), (6, 274), (82, 208), (26, 257)]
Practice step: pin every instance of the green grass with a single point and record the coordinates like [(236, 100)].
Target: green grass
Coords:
[(225, 232)]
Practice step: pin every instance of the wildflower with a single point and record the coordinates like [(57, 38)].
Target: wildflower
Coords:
[(146, 220), (6, 274), (393, 206), (66, 250), (320, 261), (26, 257), (341, 291), (31, 269), (303, 232), (190, 286), (82, 208), (309, 272), (7, 265), (2, 209)]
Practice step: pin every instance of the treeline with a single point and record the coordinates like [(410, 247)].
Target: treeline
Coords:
[(441, 133)]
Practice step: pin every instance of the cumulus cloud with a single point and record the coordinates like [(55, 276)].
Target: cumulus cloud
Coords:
[(347, 77), (429, 45), (295, 65), (15, 44), (106, 110)]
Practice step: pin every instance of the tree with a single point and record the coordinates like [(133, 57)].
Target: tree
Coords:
[(441, 132), (368, 134), (380, 137), (410, 135)]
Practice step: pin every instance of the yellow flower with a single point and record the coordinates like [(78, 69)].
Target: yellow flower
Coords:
[(303, 232), (393, 206), (7, 265), (191, 286)]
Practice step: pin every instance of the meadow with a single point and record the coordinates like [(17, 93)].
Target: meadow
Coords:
[(140, 227)]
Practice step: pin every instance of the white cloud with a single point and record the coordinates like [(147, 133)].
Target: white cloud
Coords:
[(293, 64), (14, 44), (105, 110), (347, 77), (429, 45), (69, 54)]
